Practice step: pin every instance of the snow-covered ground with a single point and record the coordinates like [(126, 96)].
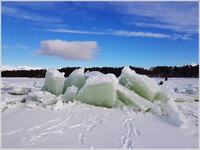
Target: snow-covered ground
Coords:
[(9, 68), (78, 125)]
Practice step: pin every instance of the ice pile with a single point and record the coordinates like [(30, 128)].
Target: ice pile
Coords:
[(139, 92), (19, 90), (41, 97)]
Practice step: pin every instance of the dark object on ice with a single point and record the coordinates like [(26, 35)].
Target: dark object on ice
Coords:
[(161, 82), (166, 78), (34, 84), (23, 100)]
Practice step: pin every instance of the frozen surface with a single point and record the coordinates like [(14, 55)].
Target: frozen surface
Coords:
[(78, 125), (54, 81), (141, 84)]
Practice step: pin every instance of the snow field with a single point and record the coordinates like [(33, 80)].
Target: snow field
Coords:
[(116, 115)]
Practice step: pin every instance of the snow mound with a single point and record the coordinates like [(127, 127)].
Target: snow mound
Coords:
[(141, 84), (59, 104), (9, 68), (54, 81)]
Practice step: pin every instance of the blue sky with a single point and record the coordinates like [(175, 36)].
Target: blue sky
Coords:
[(91, 34)]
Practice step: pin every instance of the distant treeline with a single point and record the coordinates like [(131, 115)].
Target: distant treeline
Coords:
[(159, 71)]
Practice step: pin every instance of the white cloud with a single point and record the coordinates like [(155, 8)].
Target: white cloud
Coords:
[(178, 28), (75, 50), (176, 16), (24, 14), (179, 16), (140, 34), (115, 32), (193, 64)]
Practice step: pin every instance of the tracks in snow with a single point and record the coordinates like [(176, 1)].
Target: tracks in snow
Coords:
[(59, 126), (51, 127), (88, 124), (127, 140)]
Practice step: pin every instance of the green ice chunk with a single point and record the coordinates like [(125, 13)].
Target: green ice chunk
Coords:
[(76, 78), (161, 96), (70, 94), (140, 84), (129, 97), (184, 99), (99, 90), (54, 81)]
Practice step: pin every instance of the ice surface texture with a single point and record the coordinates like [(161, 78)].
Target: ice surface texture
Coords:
[(19, 90), (99, 90), (43, 97), (70, 94), (141, 84), (131, 98), (54, 81), (76, 78)]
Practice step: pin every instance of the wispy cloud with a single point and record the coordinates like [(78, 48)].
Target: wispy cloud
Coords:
[(75, 50), (178, 16), (17, 46), (140, 34), (24, 14), (178, 28), (115, 33)]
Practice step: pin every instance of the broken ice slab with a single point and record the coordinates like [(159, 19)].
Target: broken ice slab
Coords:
[(129, 97), (19, 90), (70, 94), (99, 90), (76, 78), (184, 99), (92, 73), (54, 81), (141, 84), (43, 97), (174, 115), (162, 95)]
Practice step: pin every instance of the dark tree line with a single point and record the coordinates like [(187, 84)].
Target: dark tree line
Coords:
[(24, 73), (159, 71)]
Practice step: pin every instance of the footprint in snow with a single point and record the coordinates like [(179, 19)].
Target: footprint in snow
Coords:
[(81, 138)]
